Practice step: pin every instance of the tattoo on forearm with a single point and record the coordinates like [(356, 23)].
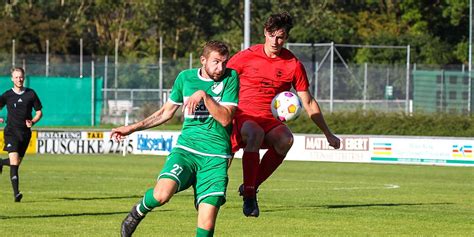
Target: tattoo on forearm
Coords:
[(151, 121)]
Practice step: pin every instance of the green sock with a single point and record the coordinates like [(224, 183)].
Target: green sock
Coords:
[(204, 233), (148, 202)]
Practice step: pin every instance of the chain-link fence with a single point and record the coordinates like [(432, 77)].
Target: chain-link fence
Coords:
[(141, 85), (341, 86)]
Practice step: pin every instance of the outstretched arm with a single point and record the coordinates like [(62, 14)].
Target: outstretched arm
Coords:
[(222, 113), (159, 117), (314, 112)]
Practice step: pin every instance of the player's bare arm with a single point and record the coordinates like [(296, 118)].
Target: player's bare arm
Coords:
[(159, 117), (222, 113), (314, 112)]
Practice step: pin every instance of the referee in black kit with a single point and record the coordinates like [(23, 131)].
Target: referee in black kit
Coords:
[(19, 101)]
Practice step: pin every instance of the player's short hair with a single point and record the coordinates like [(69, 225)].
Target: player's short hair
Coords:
[(279, 21), (216, 46), (18, 69)]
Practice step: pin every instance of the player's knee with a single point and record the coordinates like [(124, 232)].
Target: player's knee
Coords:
[(254, 139), (161, 196), (284, 144)]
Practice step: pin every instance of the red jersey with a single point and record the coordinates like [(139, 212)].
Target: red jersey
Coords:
[(262, 77)]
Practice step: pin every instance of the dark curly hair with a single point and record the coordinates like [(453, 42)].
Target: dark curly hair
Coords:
[(279, 21)]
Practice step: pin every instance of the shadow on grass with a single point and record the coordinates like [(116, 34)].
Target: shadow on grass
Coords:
[(68, 215), (112, 198), (64, 215), (383, 205), (98, 198), (289, 208)]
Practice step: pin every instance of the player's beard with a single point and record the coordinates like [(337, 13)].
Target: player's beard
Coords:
[(214, 76)]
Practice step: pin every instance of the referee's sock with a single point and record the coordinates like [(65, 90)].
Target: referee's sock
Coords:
[(14, 178), (4, 162)]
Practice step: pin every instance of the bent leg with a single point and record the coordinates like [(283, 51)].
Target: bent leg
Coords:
[(281, 140), (158, 196), (154, 197)]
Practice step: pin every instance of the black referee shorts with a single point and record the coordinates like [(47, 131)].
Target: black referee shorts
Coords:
[(16, 140)]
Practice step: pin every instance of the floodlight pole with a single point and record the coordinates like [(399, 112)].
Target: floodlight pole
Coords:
[(331, 80), (407, 89), (92, 94), (160, 75), (106, 64), (470, 59), (13, 53), (80, 58), (116, 71), (470, 35), (247, 24), (47, 57)]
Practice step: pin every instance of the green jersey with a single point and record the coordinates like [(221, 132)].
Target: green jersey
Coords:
[(201, 133)]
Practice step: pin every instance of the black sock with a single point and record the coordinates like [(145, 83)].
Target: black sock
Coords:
[(14, 178), (6, 162)]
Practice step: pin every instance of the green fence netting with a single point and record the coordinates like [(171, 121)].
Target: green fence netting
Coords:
[(66, 101)]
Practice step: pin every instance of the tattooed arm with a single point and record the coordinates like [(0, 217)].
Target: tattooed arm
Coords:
[(159, 117)]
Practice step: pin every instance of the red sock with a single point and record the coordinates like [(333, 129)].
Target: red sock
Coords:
[(250, 161), (270, 162)]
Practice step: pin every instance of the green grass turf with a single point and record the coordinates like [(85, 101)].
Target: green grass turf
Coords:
[(81, 195)]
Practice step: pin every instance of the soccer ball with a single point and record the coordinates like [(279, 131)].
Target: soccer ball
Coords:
[(286, 106)]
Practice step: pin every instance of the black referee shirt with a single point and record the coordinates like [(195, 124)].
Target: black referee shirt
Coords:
[(19, 106)]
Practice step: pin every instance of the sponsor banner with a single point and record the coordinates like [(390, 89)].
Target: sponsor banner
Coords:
[(31, 146), (80, 142), (378, 149), (316, 148), (375, 149), (436, 151), (155, 142)]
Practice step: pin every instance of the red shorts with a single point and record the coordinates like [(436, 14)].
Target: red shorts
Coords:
[(266, 123)]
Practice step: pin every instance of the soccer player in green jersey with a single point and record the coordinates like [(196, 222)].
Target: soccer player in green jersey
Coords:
[(209, 96)]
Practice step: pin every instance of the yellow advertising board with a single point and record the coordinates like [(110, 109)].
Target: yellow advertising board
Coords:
[(31, 147)]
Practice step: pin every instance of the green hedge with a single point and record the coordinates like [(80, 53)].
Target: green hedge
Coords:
[(377, 123)]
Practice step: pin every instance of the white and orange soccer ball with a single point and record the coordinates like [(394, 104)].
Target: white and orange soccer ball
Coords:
[(286, 106)]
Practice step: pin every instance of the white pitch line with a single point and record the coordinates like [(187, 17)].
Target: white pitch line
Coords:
[(385, 186)]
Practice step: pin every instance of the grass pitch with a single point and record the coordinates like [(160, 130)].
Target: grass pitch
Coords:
[(80, 195)]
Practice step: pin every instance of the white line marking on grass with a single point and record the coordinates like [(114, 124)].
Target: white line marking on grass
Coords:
[(385, 186), (371, 185)]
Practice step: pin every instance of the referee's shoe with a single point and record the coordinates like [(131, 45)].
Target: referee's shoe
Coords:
[(18, 197)]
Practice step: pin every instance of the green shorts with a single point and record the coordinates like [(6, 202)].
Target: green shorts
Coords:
[(207, 175)]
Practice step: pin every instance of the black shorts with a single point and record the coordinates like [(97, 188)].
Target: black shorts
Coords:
[(16, 140)]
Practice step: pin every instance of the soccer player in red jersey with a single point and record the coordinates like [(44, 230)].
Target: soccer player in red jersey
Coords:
[(264, 71)]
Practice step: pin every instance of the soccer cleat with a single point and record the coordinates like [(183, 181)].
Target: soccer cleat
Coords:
[(250, 206), (18, 197), (131, 222)]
